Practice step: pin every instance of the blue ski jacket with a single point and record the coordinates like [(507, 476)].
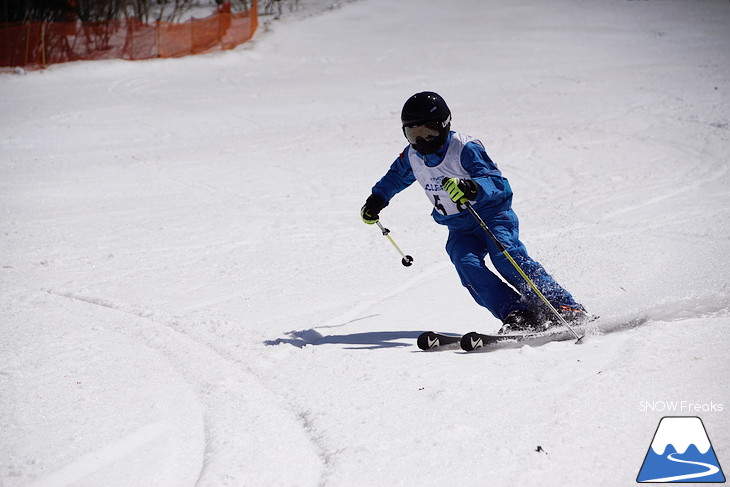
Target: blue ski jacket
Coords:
[(472, 161)]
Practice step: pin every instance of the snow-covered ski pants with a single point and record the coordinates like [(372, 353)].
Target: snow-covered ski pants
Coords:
[(468, 246)]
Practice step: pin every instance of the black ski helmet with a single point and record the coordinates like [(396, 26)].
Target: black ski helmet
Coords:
[(429, 111)]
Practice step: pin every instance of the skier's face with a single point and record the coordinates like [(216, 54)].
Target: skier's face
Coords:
[(423, 131)]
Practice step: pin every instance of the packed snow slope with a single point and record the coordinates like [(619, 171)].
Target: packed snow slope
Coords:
[(188, 295)]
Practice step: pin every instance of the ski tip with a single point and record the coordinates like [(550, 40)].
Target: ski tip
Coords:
[(422, 340), (471, 341), (430, 340), (427, 340)]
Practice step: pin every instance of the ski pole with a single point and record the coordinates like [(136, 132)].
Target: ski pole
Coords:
[(407, 259), (522, 273)]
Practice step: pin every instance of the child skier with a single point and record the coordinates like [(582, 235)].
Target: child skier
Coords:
[(454, 168)]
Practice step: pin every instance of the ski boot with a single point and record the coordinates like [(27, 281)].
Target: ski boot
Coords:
[(575, 315), (522, 321)]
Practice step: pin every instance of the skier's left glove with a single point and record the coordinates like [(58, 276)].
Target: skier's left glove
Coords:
[(461, 190)]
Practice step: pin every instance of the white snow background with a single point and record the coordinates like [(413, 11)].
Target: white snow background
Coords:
[(188, 295)]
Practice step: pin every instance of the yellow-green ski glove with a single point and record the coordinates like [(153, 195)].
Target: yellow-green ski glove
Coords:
[(460, 190)]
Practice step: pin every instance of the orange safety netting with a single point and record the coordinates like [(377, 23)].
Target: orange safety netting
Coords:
[(38, 44)]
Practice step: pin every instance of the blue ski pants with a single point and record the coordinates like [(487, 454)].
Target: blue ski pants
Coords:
[(468, 245)]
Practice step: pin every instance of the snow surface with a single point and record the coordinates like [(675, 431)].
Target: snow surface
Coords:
[(188, 295)]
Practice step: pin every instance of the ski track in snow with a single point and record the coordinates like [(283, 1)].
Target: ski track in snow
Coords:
[(188, 297), (97, 460), (215, 396)]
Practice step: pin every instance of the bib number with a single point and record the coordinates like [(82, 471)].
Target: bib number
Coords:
[(440, 207)]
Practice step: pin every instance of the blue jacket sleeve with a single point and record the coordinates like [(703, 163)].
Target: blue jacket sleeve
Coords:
[(481, 168), (399, 177)]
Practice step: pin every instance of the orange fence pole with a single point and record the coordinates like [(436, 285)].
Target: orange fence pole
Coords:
[(43, 44), (27, 45)]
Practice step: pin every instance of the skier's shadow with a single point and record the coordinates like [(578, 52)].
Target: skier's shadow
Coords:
[(364, 341)]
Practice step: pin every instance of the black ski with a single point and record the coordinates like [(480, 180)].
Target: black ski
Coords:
[(475, 340), (430, 340), (492, 341)]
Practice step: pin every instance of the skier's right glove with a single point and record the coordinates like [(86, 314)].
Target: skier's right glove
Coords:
[(460, 190), (370, 211)]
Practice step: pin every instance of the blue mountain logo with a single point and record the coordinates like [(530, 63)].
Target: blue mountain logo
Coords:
[(681, 452)]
